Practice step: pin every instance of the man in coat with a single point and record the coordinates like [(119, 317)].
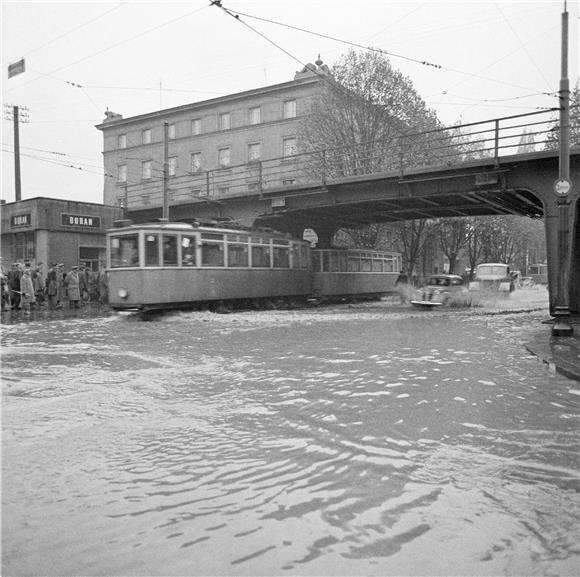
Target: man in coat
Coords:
[(72, 282)]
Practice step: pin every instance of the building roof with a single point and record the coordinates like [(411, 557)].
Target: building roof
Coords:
[(303, 78)]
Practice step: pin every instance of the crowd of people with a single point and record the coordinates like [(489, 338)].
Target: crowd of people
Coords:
[(26, 286)]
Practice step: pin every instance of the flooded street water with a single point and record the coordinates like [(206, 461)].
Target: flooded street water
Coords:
[(334, 441)]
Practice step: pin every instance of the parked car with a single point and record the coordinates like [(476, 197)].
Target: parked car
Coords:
[(441, 290), (493, 276)]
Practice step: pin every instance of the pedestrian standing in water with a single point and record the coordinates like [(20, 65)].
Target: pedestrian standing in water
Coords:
[(27, 291), (72, 282), (39, 284), (52, 287), (103, 285), (14, 285), (59, 285)]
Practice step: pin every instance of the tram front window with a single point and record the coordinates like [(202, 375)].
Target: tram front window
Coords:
[(169, 250), (188, 251), (124, 251), (151, 250)]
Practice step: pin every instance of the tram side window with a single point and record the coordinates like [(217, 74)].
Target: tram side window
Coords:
[(295, 250), (340, 264), (365, 264), (316, 262), (169, 250), (188, 256), (388, 265), (151, 250), (124, 251), (261, 256), (281, 257), (304, 260), (353, 264), (377, 264), (325, 261), (212, 253), (237, 255)]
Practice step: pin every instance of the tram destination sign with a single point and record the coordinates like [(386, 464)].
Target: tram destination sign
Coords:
[(81, 220)]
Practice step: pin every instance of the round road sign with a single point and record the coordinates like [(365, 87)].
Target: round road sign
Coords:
[(562, 187)]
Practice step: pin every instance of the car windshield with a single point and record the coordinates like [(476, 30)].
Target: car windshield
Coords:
[(438, 281), (496, 270)]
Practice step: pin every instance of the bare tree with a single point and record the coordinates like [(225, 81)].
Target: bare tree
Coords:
[(452, 234)]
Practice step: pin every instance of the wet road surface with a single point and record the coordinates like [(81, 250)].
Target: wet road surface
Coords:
[(336, 441)]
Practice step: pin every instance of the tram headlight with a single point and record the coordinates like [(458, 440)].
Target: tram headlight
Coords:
[(123, 293)]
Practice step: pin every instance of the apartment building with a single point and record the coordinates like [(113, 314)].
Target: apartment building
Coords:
[(216, 148)]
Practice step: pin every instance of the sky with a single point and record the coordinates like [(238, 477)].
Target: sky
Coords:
[(492, 59)]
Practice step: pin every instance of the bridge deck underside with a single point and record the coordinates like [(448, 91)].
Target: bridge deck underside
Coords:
[(348, 211)]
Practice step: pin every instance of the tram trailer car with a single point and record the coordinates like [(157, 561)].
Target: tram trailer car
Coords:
[(175, 265)]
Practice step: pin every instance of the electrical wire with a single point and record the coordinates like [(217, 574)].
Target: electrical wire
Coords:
[(113, 46), (74, 29), (236, 14)]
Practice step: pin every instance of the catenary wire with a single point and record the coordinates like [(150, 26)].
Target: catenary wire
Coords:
[(236, 14)]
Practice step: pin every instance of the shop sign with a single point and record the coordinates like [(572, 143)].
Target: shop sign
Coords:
[(20, 220), (80, 220)]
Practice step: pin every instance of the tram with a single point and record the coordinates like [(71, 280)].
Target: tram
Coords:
[(169, 265)]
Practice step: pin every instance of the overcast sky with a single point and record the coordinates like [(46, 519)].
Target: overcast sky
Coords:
[(496, 59)]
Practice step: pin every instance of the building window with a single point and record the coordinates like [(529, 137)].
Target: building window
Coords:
[(290, 109), (254, 152), (146, 169), (122, 141), (172, 165), (224, 159), (122, 173), (146, 136), (255, 115), (289, 147), (171, 132), (196, 162), (196, 126), (224, 121)]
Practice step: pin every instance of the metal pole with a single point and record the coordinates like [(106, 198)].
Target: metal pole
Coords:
[(17, 181), (166, 170), (562, 326)]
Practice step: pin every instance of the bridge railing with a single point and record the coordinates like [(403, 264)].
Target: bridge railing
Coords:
[(443, 147)]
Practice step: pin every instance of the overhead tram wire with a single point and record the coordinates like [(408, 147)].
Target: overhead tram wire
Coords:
[(112, 46), (62, 164), (235, 14), (74, 29)]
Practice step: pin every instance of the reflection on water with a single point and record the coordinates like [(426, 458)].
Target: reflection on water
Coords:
[(331, 442)]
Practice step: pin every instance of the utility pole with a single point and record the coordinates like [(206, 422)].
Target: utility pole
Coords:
[(17, 114), (562, 187), (166, 170)]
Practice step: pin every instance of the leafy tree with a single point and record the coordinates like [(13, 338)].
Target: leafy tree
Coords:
[(363, 109)]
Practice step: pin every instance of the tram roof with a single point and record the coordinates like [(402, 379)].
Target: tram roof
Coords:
[(186, 226)]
